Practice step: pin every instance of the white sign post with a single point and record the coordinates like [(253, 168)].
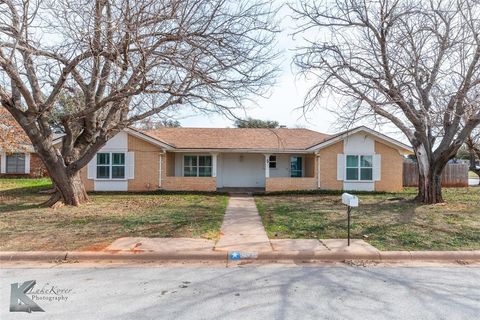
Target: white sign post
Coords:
[(350, 201)]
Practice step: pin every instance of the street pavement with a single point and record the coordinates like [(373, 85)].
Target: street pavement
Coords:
[(275, 291)]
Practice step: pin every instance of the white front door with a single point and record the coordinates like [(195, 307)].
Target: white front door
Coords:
[(242, 170)]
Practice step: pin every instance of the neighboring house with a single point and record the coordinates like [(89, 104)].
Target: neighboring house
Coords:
[(269, 159), (17, 156), (22, 162)]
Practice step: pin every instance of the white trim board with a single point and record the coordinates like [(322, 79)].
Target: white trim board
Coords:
[(385, 139)]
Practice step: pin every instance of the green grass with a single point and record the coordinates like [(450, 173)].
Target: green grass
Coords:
[(472, 175), (387, 221), (15, 185), (108, 216)]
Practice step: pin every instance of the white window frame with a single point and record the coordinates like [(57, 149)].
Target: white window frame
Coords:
[(16, 154), (359, 167), (198, 166), (111, 165), (274, 161)]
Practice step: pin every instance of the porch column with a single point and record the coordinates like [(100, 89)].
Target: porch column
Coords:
[(317, 158), (214, 164), (267, 166), (160, 171)]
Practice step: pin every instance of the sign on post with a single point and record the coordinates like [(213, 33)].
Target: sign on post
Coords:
[(350, 201)]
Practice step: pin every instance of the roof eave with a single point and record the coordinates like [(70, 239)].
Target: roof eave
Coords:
[(241, 150), (135, 133), (395, 143), (149, 138)]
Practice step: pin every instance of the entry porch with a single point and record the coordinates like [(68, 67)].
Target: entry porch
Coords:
[(210, 171)]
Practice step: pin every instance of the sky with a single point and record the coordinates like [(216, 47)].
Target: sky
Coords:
[(285, 99)]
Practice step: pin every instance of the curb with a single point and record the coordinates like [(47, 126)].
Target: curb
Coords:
[(48, 256), (320, 255), (339, 256)]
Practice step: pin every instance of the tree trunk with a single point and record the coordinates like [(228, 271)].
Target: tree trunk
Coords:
[(473, 164), (429, 178), (430, 188), (69, 188)]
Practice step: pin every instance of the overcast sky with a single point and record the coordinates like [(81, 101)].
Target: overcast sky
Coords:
[(286, 98), (283, 104)]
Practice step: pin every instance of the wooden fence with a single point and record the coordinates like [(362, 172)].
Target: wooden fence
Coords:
[(454, 175)]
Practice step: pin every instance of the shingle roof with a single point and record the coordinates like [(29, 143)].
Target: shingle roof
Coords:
[(234, 138)]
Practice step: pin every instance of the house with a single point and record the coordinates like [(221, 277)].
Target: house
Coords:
[(208, 159), (21, 163), (17, 156)]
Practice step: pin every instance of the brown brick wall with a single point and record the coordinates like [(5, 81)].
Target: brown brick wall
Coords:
[(88, 183), (147, 158), (328, 167), (310, 166), (37, 168), (170, 164), (281, 184), (391, 174), (189, 183)]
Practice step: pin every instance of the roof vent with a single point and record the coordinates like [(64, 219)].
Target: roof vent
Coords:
[(282, 126)]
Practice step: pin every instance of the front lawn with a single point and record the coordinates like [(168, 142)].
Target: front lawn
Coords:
[(387, 221), (25, 226)]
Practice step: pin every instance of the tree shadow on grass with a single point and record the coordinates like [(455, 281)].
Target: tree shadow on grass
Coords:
[(24, 198)]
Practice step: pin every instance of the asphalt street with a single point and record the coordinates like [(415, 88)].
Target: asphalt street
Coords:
[(246, 292)]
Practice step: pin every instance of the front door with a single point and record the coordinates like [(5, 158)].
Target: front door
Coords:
[(242, 171)]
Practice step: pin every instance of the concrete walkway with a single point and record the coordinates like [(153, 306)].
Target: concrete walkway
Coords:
[(242, 228)]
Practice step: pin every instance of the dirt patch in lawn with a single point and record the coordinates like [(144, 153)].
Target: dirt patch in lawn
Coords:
[(25, 226), (387, 221)]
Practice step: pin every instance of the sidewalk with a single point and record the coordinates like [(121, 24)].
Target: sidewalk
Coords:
[(242, 228)]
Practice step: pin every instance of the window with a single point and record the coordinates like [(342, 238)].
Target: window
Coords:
[(15, 163), (204, 166), (118, 165), (197, 166), (103, 165), (110, 165), (272, 162), (296, 167), (359, 168), (190, 166)]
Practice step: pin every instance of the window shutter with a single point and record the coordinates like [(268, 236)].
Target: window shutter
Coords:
[(3, 163), (340, 166), (27, 163), (130, 165), (377, 167), (92, 168)]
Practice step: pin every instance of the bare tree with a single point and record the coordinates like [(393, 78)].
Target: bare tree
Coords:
[(93, 68), (412, 63)]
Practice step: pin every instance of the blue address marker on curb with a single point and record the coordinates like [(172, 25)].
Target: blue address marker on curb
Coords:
[(237, 255)]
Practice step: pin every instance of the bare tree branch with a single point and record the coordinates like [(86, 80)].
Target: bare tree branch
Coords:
[(416, 64)]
